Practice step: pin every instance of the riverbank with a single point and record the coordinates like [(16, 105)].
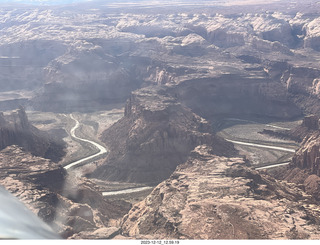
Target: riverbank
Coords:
[(260, 149)]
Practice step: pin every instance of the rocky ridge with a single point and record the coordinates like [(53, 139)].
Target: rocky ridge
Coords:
[(304, 168), (15, 129), (155, 135), (236, 95), (255, 62), (67, 87), (129, 50), (211, 197), (71, 205)]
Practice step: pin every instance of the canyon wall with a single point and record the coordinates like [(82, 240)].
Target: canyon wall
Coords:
[(82, 80), (71, 205), (304, 168), (307, 156), (301, 83), (238, 96), (15, 129), (102, 58), (155, 135)]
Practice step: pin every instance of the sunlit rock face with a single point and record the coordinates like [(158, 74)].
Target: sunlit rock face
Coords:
[(312, 39), (304, 167), (96, 58), (211, 197), (174, 68), (155, 135)]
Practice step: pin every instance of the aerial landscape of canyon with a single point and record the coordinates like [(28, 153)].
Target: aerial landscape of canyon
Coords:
[(160, 120)]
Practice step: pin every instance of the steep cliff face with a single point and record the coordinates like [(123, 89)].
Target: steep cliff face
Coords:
[(71, 205), (15, 129), (155, 135), (211, 197), (301, 80), (312, 33), (307, 156), (305, 165), (101, 59), (237, 95), (84, 78), (21, 63), (301, 83), (273, 28)]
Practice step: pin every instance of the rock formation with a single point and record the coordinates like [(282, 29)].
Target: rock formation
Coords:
[(155, 135), (301, 83), (177, 67), (211, 197), (306, 156), (72, 206), (102, 58), (15, 129), (304, 168), (236, 95), (82, 80), (22, 63), (312, 33)]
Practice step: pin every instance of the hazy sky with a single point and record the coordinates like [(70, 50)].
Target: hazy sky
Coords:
[(47, 2)]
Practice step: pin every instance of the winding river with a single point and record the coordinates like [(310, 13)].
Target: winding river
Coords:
[(262, 146), (102, 149), (260, 149)]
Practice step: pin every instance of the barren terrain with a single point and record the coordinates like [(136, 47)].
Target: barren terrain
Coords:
[(159, 100), (247, 131)]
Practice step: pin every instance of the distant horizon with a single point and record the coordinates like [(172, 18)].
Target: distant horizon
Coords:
[(43, 2), (65, 2)]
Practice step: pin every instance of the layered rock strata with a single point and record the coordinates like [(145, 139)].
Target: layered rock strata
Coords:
[(236, 95), (102, 58), (305, 166), (211, 197), (71, 205), (15, 129), (155, 135)]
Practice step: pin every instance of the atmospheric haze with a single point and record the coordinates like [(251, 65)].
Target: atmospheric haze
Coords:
[(162, 119)]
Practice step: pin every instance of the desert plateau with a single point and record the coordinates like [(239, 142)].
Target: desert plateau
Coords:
[(149, 120)]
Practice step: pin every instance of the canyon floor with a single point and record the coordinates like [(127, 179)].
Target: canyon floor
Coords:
[(251, 132), (247, 130), (91, 127), (126, 119)]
